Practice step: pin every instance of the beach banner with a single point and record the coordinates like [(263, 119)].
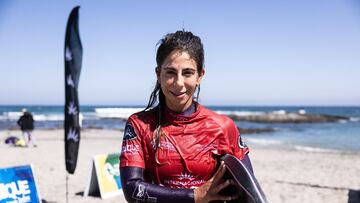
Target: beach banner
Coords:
[(104, 176), (17, 184), (73, 58)]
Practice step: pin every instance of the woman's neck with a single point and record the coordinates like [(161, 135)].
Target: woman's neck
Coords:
[(188, 111)]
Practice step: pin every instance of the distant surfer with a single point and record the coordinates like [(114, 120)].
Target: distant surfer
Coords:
[(171, 150), (26, 123)]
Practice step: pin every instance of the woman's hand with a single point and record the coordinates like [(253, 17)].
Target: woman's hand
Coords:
[(209, 191)]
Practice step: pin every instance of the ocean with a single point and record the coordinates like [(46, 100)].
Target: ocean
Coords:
[(322, 137)]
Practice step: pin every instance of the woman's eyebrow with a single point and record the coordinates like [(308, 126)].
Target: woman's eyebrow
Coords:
[(183, 69), (189, 69), (169, 68)]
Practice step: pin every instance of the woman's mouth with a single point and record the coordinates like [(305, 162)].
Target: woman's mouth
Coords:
[(178, 94)]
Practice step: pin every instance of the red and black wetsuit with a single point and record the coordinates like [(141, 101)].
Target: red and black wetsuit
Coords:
[(187, 154)]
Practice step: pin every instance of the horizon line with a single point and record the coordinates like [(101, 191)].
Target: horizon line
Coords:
[(211, 105)]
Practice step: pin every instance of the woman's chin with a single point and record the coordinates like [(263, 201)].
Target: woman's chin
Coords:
[(179, 105)]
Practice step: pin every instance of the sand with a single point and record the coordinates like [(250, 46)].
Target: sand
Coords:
[(285, 175)]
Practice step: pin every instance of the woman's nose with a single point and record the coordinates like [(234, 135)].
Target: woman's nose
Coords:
[(179, 81)]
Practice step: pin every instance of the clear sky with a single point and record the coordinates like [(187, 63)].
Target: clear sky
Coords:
[(256, 52)]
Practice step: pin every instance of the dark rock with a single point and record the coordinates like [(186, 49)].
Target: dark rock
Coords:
[(288, 118)]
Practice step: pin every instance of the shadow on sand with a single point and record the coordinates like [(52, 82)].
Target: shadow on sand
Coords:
[(45, 201), (95, 193)]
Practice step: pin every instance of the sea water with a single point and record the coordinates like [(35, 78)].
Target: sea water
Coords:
[(322, 137)]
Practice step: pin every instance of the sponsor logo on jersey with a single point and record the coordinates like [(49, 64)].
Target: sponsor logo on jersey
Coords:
[(130, 148), (184, 184), (167, 145), (163, 144), (140, 194), (185, 176), (129, 132), (184, 180)]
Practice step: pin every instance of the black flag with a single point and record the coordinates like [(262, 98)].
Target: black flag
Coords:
[(73, 59)]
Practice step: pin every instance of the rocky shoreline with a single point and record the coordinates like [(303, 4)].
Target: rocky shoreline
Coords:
[(270, 117), (288, 118)]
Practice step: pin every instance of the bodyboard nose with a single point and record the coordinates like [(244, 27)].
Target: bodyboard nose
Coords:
[(247, 186)]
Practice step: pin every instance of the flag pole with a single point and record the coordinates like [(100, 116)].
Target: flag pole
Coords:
[(67, 187)]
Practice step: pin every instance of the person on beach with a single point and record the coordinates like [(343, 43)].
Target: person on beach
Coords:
[(171, 150), (26, 123)]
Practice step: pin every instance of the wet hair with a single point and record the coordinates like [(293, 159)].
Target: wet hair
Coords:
[(182, 41)]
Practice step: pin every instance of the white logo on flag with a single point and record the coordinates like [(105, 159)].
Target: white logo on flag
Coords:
[(70, 81), (72, 109), (68, 54), (72, 135)]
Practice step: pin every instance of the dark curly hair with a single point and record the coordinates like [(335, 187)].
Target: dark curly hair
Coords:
[(182, 41)]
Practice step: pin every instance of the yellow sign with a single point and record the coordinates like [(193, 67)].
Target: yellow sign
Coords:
[(106, 176)]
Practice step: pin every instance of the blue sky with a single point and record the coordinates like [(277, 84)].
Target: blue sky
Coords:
[(256, 52)]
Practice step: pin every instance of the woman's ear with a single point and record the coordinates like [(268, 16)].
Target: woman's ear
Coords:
[(200, 77), (157, 71)]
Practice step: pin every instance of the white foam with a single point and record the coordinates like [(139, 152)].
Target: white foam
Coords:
[(241, 113), (342, 121), (99, 113), (302, 111), (116, 112), (354, 119), (312, 149), (254, 113), (263, 141), (51, 117), (279, 112), (13, 116)]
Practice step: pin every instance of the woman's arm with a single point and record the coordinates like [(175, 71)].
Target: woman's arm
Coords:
[(136, 189)]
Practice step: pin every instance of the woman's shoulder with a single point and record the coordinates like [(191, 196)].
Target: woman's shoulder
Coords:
[(144, 116), (220, 119)]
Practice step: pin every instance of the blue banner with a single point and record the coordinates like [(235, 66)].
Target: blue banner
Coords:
[(17, 184)]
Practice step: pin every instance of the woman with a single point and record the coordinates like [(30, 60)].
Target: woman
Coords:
[(170, 151)]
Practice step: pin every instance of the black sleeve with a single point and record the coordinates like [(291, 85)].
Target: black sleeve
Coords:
[(19, 121), (137, 190), (247, 162)]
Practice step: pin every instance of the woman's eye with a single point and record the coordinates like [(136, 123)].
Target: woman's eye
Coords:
[(188, 73), (170, 72)]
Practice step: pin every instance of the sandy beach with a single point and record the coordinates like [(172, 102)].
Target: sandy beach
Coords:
[(285, 175)]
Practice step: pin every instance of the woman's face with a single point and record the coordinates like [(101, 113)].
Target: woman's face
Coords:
[(178, 77)]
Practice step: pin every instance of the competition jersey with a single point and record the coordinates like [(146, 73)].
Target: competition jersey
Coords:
[(188, 149)]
